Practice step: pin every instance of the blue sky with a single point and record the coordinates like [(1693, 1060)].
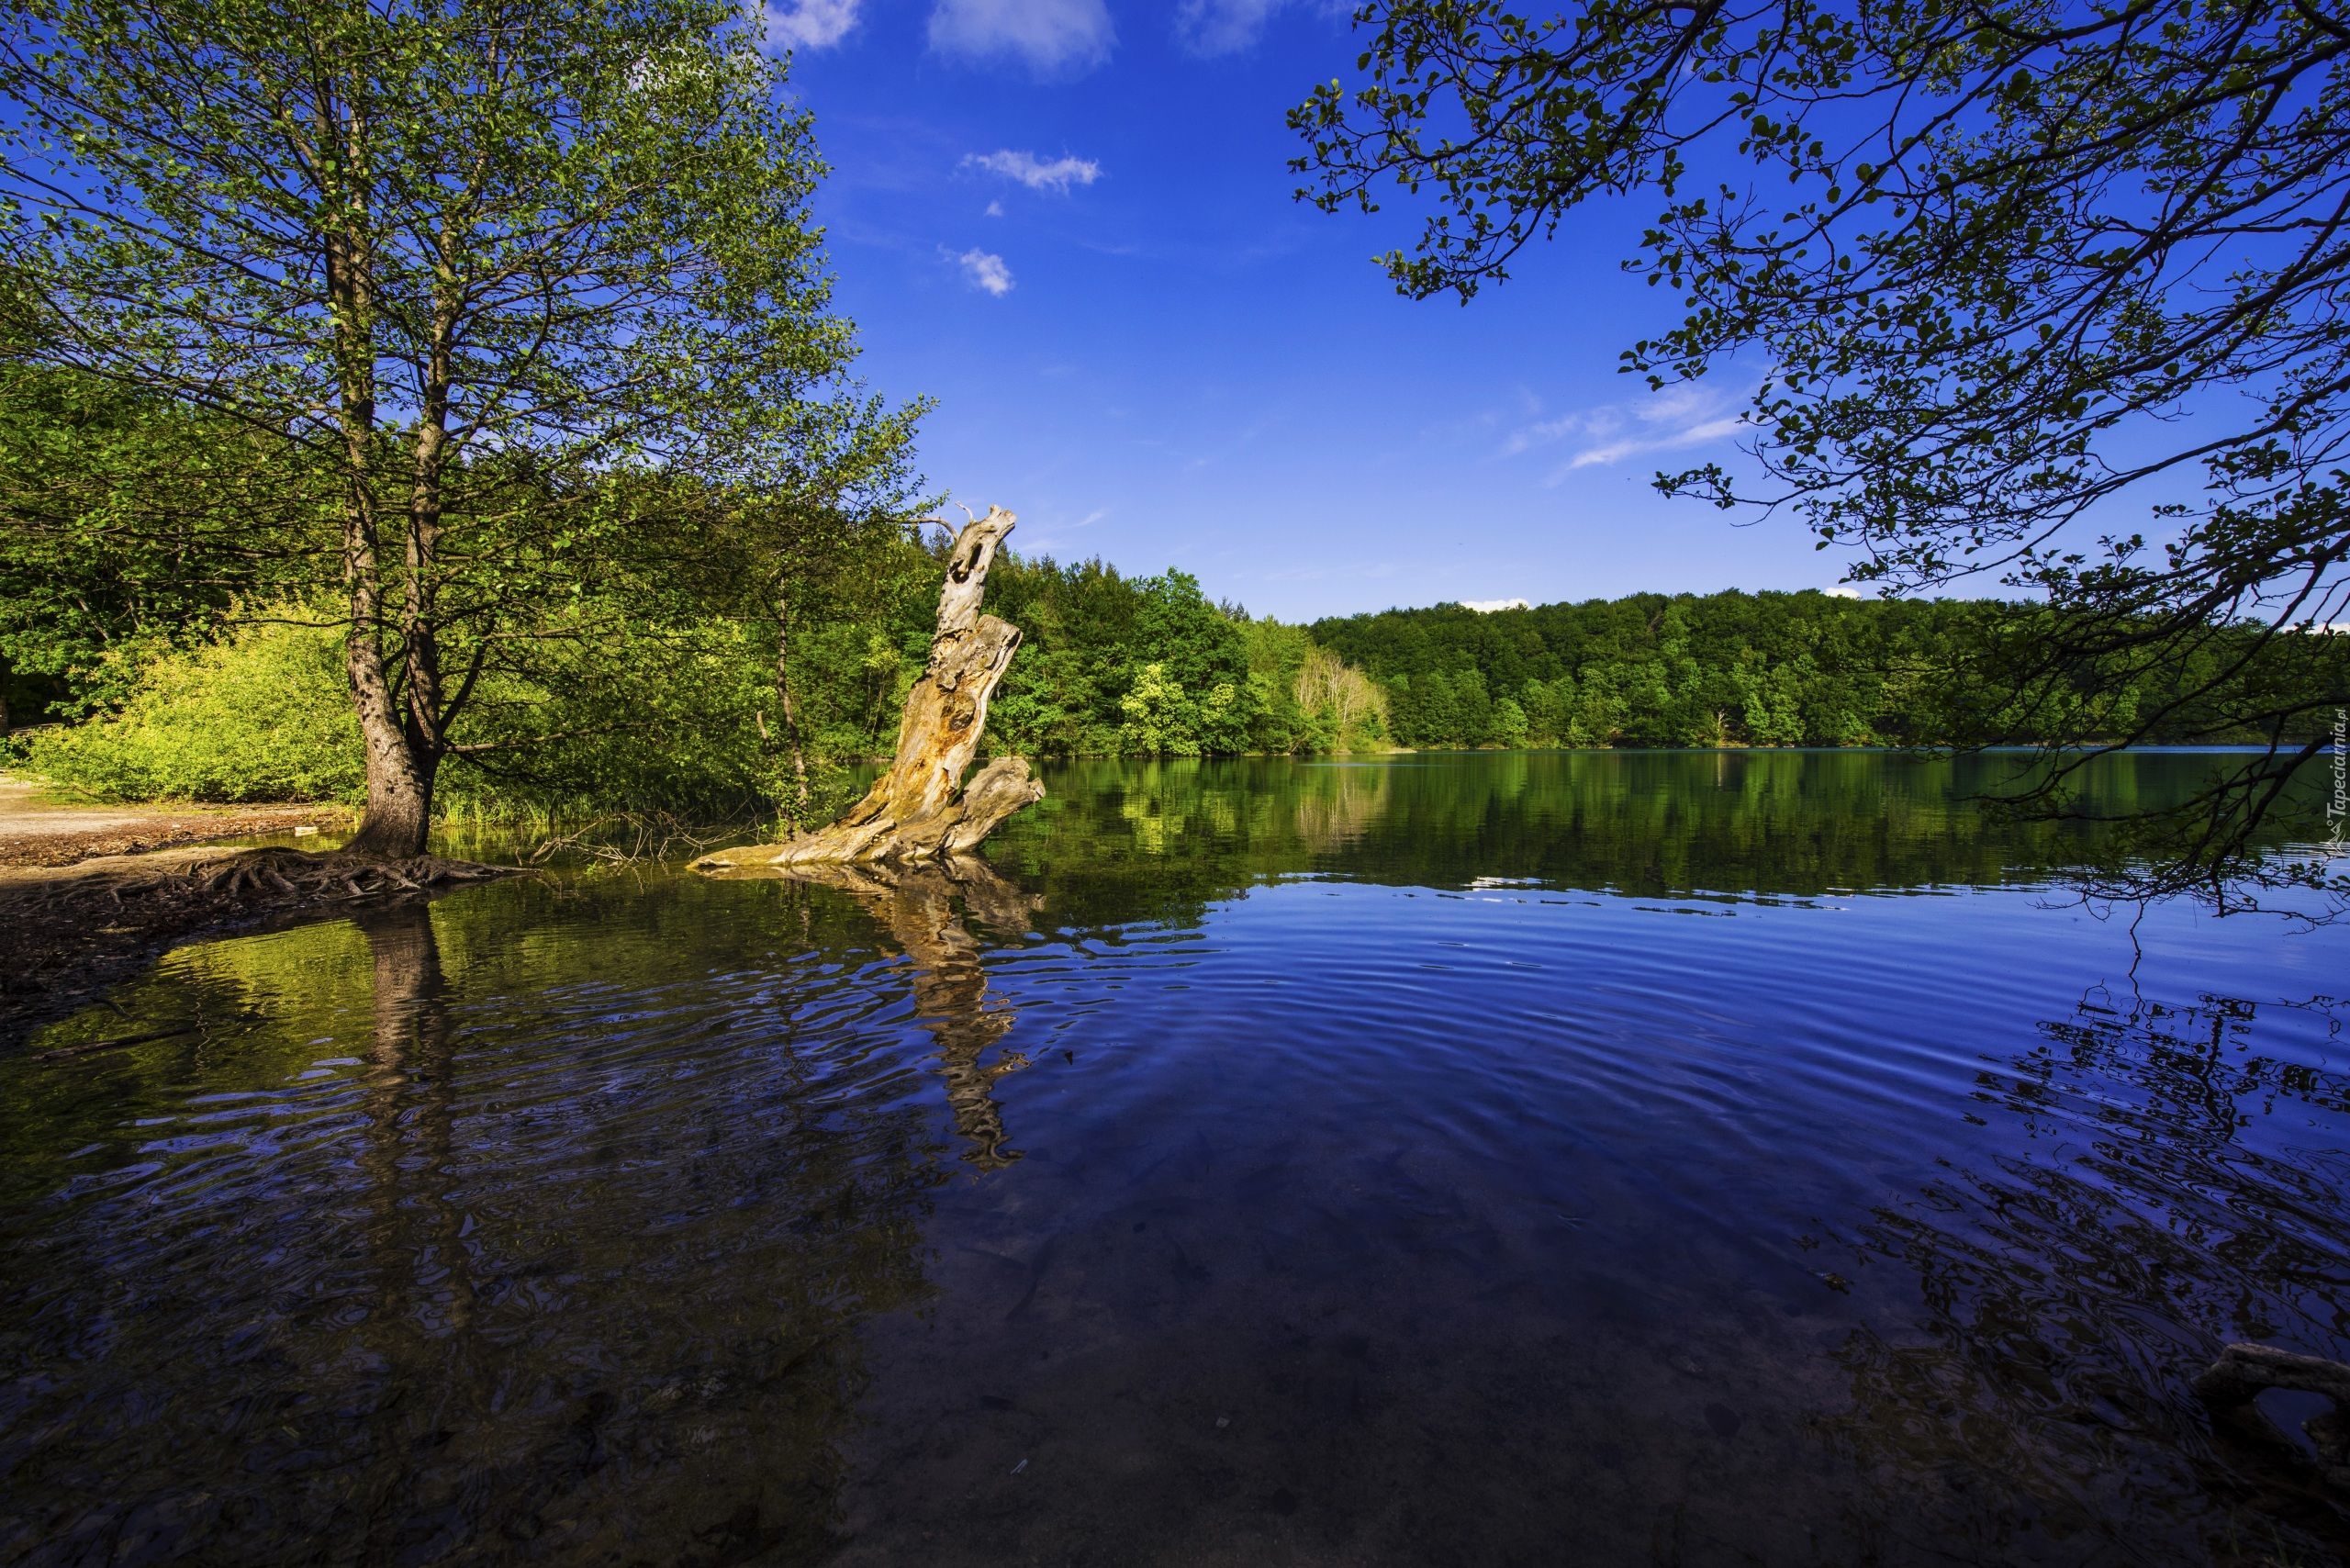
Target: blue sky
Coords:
[(1070, 222)]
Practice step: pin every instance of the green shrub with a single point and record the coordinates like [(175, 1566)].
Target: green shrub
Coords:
[(631, 719), (261, 716)]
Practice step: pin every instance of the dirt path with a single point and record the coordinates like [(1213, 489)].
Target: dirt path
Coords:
[(36, 829)]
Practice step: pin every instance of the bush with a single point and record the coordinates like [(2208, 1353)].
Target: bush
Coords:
[(261, 716), (633, 719)]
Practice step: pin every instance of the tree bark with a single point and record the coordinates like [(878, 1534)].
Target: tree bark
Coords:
[(400, 791), (921, 809), (787, 711)]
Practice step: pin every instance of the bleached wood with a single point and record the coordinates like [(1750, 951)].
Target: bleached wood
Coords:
[(921, 808)]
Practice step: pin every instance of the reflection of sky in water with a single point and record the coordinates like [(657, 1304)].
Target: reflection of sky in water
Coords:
[(1340, 1165)]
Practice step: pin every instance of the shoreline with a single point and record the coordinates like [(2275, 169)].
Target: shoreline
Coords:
[(38, 829)]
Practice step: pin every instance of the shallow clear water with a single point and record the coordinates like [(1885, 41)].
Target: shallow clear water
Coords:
[(1487, 1158)]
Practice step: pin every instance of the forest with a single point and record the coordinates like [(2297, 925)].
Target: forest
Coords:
[(154, 644), (1774, 669)]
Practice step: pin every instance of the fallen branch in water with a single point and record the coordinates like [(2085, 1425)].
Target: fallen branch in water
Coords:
[(2233, 1383), (116, 1043), (625, 838)]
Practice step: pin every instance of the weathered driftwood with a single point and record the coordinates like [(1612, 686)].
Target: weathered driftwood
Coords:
[(922, 809), (917, 902), (2244, 1372)]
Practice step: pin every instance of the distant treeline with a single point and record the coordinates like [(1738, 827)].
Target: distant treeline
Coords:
[(254, 707), (1148, 666), (1732, 668)]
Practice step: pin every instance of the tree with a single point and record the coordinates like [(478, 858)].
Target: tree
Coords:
[(835, 537), (1161, 719), (1509, 728), (126, 527), (474, 263), (1343, 706), (2050, 292)]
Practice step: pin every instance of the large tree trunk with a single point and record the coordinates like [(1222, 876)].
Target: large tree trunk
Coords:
[(399, 800), (921, 809), (400, 791)]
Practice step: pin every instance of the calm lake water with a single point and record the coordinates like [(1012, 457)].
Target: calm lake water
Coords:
[(1492, 1159)]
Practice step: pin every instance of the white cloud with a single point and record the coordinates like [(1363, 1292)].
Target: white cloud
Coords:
[(995, 209), (1487, 605), (1704, 432), (1049, 34), (1541, 433), (1222, 26), (1034, 172), (984, 270), (808, 24), (1669, 421), (1842, 591)]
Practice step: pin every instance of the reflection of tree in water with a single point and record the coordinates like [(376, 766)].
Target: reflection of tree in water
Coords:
[(916, 902), (2070, 1295), (563, 1283), (1338, 804)]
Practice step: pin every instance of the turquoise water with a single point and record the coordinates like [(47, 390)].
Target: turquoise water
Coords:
[(1484, 1158)]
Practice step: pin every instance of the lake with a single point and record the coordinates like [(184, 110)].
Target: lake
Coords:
[(1484, 1158)]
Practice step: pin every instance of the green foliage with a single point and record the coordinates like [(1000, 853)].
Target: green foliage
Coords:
[(1769, 669), (654, 720), (262, 717), (2047, 294), (1150, 666), (129, 526)]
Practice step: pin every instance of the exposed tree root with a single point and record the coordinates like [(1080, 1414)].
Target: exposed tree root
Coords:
[(66, 939)]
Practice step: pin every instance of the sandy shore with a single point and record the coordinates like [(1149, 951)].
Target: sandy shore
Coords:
[(40, 829)]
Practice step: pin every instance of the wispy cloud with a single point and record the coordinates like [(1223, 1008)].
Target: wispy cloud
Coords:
[(1526, 438), (1053, 533), (1676, 418), (1222, 26), (1230, 27), (995, 209), (1703, 433), (1051, 36), (808, 24), (984, 269), (1034, 172)]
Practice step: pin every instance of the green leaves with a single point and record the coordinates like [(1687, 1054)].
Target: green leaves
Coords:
[(2040, 270), (497, 281)]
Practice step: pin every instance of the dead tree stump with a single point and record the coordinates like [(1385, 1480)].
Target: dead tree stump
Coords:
[(921, 809)]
